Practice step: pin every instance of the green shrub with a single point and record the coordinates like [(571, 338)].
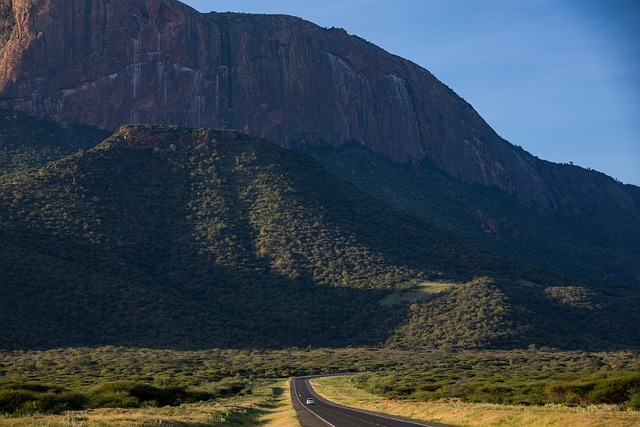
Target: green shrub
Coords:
[(31, 398), (11, 401), (634, 401), (57, 403), (130, 394), (617, 390), (113, 399), (225, 387), (492, 394), (570, 393)]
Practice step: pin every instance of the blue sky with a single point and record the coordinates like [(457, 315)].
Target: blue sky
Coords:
[(561, 78)]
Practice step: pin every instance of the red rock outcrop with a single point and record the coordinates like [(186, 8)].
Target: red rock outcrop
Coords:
[(111, 62)]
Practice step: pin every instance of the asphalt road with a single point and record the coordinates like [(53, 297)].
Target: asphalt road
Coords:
[(325, 413)]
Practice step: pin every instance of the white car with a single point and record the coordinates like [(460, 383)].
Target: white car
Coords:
[(311, 401)]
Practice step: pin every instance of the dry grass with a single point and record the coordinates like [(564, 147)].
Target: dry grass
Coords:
[(269, 405), (281, 413), (186, 415), (339, 389)]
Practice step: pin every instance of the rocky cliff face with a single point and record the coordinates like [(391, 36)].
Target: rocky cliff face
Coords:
[(110, 62)]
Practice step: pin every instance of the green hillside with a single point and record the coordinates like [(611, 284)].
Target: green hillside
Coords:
[(595, 233), (27, 142), (180, 238)]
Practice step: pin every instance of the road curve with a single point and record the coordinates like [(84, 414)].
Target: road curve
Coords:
[(325, 413)]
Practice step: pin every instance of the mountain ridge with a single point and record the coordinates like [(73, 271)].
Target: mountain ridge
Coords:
[(599, 244), (304, 87), (274, 76), (159, 231)]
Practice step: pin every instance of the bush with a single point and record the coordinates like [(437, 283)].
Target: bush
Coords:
[(570, 393), (225, 387), (12, 401), (128, 394), (57, 403), (616, 390), (634, 401), (32, 398), (29, 398), (113, 399)]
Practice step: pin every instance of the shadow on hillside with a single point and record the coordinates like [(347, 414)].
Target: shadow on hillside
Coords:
[(120, 246), (203, 306), (138, 278)]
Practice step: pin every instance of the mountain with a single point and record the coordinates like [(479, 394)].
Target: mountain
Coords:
[(278, 77), (192, 238), (109, 63)]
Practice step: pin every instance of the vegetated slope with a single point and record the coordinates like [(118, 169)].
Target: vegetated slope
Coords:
[(300, 85), (597, 240), (27, 142), (587, 238), (174, 237)]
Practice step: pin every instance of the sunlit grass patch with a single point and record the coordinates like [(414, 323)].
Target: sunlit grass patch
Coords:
[(455, 412), (421, 293)]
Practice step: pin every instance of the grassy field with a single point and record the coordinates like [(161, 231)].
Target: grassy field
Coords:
[(341, 390), (268, 405)]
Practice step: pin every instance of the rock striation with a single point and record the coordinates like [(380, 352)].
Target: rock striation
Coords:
[(112, 62)]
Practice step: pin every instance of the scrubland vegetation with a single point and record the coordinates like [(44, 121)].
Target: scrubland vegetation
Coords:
[(59, 381), (267, 404)]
